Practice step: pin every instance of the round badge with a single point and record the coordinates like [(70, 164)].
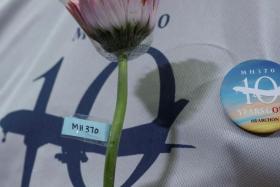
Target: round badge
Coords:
[(250, 94)]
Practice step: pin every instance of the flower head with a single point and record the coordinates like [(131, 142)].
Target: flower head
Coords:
[(117, 25)]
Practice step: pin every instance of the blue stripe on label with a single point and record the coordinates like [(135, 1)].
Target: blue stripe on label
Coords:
[(85, 129)]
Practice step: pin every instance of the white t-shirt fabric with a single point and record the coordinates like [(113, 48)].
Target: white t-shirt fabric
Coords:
[(175, 131)]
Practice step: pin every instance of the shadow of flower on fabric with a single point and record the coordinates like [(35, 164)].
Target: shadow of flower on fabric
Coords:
[(191, 78)]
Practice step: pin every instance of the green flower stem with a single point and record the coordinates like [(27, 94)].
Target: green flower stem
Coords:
[(117, 125)]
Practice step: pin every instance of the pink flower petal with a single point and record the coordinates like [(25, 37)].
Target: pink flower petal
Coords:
[(154, 5), (106, 14), (146, 12), (87, 12), (134, 11), (116, 11), (74, 10)]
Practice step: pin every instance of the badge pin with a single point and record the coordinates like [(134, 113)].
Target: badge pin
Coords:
[(250, 94)]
